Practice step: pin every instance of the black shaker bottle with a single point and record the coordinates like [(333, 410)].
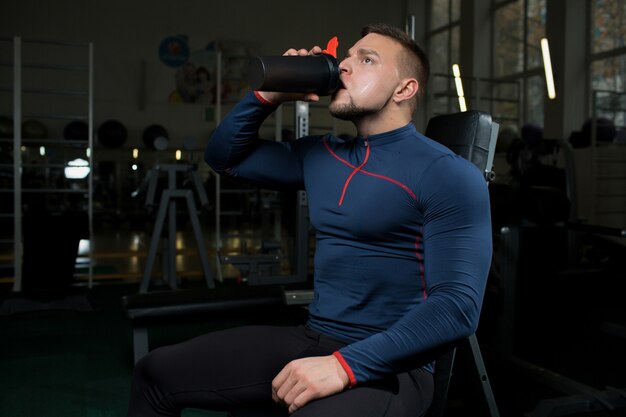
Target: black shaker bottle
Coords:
[(317, 74)]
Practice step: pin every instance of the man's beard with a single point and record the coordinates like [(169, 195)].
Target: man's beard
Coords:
[(349, 111)]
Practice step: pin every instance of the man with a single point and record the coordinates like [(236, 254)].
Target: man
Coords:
[(402, 255)]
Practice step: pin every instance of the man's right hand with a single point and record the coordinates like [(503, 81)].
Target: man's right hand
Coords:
[(277, 98)]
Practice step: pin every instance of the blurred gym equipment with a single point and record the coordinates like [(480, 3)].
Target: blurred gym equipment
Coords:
[(152, 135), (112, 134), (76, 130), (167, 206)]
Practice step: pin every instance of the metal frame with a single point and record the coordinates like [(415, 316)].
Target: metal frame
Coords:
[(168, 206), (17, 162), (18, 90), (302, 220)]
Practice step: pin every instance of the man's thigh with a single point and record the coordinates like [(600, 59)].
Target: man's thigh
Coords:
[(407, 394), (234, 366)]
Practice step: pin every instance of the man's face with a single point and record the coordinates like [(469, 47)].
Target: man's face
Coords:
[(369, 74)]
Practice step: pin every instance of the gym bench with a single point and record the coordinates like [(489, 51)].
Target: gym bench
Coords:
[(145, 309)]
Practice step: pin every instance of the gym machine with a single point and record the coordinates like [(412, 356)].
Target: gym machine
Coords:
[(168, 207), (254, 266)]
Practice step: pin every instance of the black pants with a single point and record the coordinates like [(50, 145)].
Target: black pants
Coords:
[(233, 370)]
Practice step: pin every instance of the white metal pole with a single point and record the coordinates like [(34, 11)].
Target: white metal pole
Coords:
[(218, 190), (91, 166), (301, 112), (17, 163), (218, 119)]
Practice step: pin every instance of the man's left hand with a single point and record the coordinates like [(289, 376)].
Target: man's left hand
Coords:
[(307, 379)]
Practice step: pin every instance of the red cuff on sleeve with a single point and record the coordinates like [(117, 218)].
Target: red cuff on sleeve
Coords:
[(346, 368), (262, 100)]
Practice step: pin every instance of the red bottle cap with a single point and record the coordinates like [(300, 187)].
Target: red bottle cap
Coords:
[(331, 47)]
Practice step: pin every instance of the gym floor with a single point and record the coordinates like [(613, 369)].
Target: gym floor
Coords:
[(72, 356)]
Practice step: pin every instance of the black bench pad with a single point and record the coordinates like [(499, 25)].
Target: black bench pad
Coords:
[(169, 303)]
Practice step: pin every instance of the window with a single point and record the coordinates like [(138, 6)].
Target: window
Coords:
[(443, 44), (518, 27), (608, 28), (608, 54), (509, 39), (608, 73)]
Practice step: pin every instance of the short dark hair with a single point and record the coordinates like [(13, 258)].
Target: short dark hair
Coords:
[(415, 63)]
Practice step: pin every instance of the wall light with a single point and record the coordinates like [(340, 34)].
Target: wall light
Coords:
[(547, 66), (459, 87), (77, 169), (179, 154), (135, 153)]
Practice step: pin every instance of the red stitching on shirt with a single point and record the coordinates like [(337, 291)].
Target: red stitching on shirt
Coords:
[(420, 262), (345, 185), (398, 183), (371, 174)]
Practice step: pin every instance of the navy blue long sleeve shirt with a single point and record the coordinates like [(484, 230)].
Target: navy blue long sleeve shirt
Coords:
[(403, 233)]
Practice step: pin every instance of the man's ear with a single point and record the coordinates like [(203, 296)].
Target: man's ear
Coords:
[(407, 89)]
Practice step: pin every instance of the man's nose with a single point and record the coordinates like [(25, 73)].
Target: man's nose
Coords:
[(344, 65)]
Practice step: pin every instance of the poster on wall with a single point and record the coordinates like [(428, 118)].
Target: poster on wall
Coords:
[(195, 73)]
